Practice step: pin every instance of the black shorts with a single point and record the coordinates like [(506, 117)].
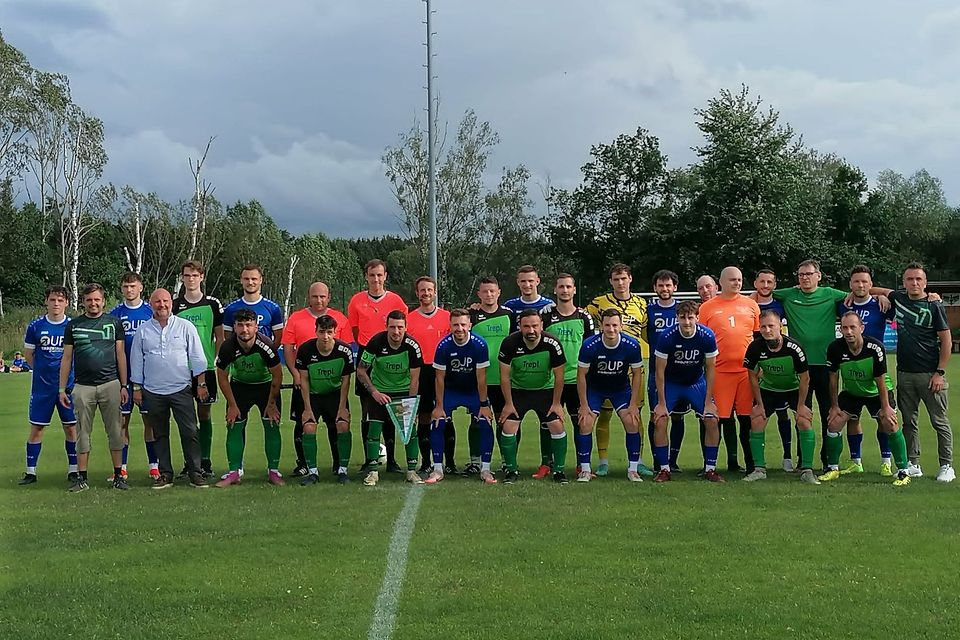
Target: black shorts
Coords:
[(497, 401), (538, 401), (571, 400), (774, 401), (325, 407), (377, 411), (852, 405), (249, 396), (210, 377), (427, 389)]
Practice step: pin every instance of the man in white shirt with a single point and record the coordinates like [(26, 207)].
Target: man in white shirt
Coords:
[(166, 355)]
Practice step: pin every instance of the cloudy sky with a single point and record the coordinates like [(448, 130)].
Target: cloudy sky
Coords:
[(304, 95)]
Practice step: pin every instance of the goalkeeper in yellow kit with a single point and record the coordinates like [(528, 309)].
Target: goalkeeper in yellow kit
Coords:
[(633, 309)]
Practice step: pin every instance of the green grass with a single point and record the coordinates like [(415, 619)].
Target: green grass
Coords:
[(856, 558)]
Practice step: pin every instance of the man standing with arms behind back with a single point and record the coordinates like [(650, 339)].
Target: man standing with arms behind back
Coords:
[(923, 352), (367, 312), (633, 312), (206, 314), (93, 349), (301, 327)]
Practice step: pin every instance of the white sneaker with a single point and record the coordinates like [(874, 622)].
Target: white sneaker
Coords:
[(584, 475), (947, 474), (914, 471), (788, 465)]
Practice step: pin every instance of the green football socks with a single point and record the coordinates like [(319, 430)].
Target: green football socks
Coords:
[(898, 446), (310, 450), (373, 444), (808, 442), (758, 447), (558, 446), (271, 443), (205, 434), (508, 449), (235, 444), (344, 448)]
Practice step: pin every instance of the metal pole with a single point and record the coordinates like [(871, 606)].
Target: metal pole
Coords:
[(431, 159)]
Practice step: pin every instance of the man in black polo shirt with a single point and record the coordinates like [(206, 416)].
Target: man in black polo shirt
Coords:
[(923, 351)]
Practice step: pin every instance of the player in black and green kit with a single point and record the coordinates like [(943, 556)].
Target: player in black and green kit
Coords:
[(326, 364), (860, 362), (492, 322), (249, 375), (389, 368), (780, 379), (206, 314), (531, 377), (571, 326)]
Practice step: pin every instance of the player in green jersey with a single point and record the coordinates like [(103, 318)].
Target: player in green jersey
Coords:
[(325, 365), (206, 314), (779, 376), (860, 362), (249, 375), (388, 369), (571, 326), (492, 322), (531, 377)]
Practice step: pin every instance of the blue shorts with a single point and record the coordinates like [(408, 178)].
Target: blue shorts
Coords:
[(453, 399), (619, 399), (42, 404), (680, 398), (127, 407)]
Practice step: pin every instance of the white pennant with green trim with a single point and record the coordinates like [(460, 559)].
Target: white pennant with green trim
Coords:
[(403, 412)]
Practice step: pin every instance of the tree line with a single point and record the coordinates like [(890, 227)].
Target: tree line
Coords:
[(756, 196)]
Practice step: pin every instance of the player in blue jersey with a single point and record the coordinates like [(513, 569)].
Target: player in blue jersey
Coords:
[(686, 365), (43, 348), (874, 325), (269, 314), (765, 283), (609, 367), (461, 362), (527, 281), (661, 317), (132, 312)]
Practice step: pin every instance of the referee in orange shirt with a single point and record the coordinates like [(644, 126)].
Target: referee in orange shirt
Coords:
[(367, 312), (734, 318), (301, 327)]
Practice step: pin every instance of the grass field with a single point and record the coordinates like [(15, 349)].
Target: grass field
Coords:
[(855, 559)]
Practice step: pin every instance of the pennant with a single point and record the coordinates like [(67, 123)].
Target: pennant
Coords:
[(403, 412)]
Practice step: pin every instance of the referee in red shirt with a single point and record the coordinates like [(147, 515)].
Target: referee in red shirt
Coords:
[(367, 313)]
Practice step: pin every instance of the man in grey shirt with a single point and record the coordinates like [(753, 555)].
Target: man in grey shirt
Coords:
[(923, 351), (166, 354)]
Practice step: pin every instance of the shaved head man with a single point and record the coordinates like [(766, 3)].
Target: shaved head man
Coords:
[(301, 327)]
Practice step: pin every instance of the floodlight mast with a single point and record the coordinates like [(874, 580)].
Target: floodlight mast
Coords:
[(431, 151)]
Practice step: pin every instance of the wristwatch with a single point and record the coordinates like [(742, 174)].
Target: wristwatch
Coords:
[(941, 372)]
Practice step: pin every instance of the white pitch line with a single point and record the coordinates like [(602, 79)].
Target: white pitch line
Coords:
[(385, 609)]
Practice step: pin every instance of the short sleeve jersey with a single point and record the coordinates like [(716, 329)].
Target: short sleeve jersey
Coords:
[(206, 314), (302, 326), (571, 331), (247, 367), (858, 372), (686, 356), (493, 327), (733, 322), (131, 318), (518, 304), (428, 330), (531, 369), (460, 362), (779, 370), (390, 368), (269, 315), (660, 319), (918, 321), (874, 320), (45, 338), (633, 311), (94, 342), (368, 315), (608, 367), (324, 373), (812, 318)]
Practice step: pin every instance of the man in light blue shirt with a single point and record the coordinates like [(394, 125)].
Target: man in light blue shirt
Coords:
[(165, 356)]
